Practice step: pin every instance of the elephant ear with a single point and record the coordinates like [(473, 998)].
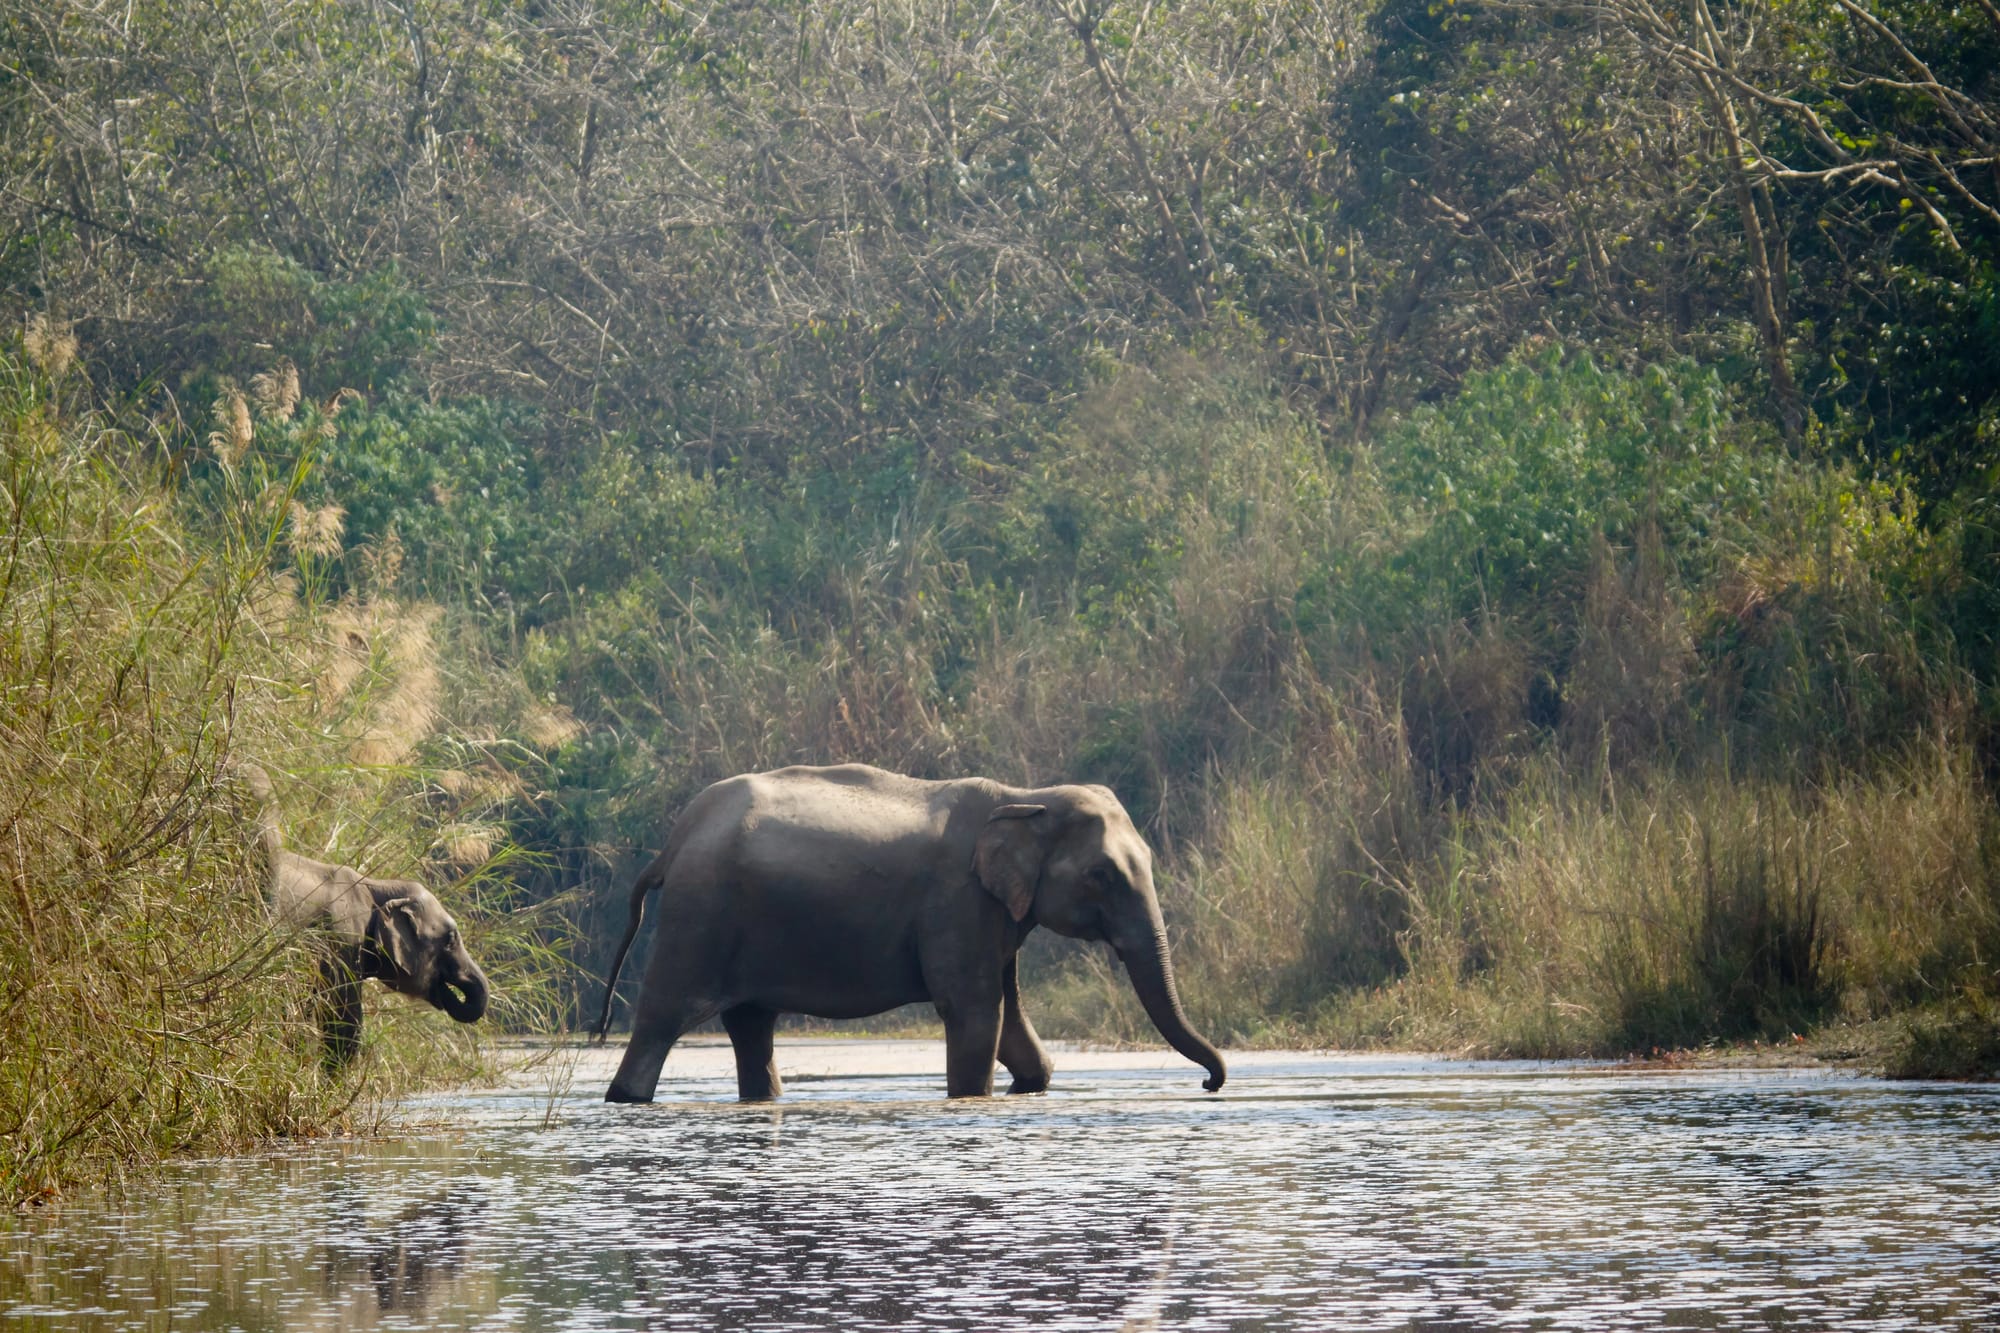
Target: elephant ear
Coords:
[(392, 929), (1008, 857)]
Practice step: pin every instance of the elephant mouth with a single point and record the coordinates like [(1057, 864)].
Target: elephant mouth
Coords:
[(464, 999)]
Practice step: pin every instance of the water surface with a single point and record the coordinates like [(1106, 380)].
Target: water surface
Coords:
[(1313, 1193)]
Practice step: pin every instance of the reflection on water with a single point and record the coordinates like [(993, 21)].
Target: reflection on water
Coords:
[(416, 1257), (1313, 1194)]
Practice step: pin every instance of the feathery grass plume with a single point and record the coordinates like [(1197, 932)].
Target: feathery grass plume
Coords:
[(232, 440), (315, 533), (497, 784), (382, 563), (347, 628), (277, 391), (490, 784), (408, 713), (50, 345), (469, 844), (550, 726), (334, 406)]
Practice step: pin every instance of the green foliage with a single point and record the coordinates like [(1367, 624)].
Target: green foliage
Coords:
[(1910, 386), (481, 514), (1350, 430), (1502, 491), (253, 307), (454, 482)]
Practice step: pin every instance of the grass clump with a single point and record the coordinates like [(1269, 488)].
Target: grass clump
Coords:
[(1957, 1038), (152, 636)]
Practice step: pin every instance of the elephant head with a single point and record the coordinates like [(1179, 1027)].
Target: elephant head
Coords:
[(1069, 858), (394, 930), (412, 946)]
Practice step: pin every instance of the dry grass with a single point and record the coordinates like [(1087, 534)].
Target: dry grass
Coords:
[(1670, 910), (145, 1007)]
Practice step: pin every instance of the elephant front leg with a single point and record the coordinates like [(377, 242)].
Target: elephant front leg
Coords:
[(339, 1011), (1020, 1049), (751, 1031), (971, 1040)]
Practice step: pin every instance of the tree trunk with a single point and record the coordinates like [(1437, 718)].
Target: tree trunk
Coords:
[(1765, 300)]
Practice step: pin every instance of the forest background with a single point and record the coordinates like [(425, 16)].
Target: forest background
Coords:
[(1504, 491)]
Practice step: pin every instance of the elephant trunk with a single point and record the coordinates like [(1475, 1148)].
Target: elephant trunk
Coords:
[(463, 996), (1151, 968)]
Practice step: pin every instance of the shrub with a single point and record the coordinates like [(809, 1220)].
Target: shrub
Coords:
[(1502, 492), (147, 643)]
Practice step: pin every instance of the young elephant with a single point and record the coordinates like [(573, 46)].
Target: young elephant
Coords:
[(843, 892), (393, 930)]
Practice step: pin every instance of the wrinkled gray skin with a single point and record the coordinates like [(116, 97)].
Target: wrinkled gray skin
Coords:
[(393, 930), (843, 892)]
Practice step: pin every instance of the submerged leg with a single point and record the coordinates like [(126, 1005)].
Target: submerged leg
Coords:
[(750, 1030), (971, 1037), (1020, 1049), (655, 1029)]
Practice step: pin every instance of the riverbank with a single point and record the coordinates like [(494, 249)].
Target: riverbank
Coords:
[(810, 1055)]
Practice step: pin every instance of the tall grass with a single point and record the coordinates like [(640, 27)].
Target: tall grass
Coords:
[(142, 1009), (150, 640), (1691, 790), (1666, 909), (1571, 718)]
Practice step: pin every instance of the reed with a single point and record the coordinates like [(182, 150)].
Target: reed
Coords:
[(1665, 909), (149, 641)]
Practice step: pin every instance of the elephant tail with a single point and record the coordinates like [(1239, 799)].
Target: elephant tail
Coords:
[(649, 879), (266, 836)]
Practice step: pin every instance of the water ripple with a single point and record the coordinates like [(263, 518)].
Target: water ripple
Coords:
[(1314, 1194)]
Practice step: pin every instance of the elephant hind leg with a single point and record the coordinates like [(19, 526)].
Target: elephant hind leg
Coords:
[(751, 1031), (655, 1029), (1020, 1049)]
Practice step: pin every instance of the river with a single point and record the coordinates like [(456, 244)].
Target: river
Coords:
[(1313, 1193)]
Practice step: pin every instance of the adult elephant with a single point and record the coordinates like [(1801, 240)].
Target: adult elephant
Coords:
[(393, 930), (843, 892)]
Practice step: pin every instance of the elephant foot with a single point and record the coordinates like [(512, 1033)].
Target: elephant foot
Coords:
[(614, 1093), (760, 1084), (1031, 1071)]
